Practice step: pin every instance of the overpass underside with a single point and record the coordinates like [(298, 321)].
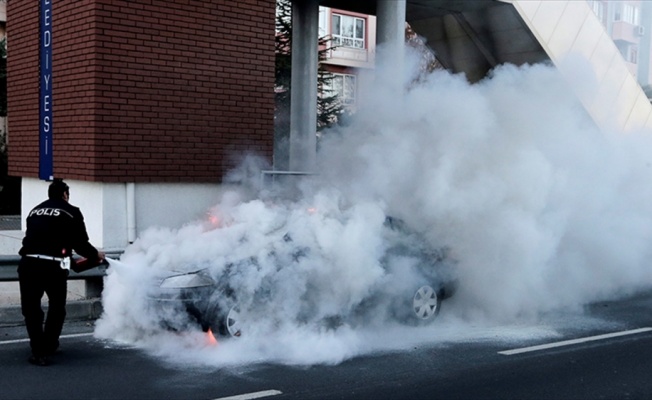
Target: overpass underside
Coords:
[(474, 36)]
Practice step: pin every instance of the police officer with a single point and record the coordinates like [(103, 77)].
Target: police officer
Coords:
[(54, 229)]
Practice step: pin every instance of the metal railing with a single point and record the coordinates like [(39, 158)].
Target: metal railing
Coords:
[(270, 176), (93, 277)]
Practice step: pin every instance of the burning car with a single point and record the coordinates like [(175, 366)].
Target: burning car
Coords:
[(412, 281)]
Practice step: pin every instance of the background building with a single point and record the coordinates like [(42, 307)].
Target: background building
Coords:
[(629, 24), (353, 36), (151, 102)]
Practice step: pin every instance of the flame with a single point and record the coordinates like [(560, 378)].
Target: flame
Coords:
[(214, 220), (210, 338), (312, 210)]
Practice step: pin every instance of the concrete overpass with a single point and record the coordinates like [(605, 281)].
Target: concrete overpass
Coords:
[(474, 36)]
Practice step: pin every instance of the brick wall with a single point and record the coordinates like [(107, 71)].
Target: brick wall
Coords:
[(22, 88), (145, 91)]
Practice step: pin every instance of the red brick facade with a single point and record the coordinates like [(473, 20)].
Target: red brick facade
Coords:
[(144, 90)]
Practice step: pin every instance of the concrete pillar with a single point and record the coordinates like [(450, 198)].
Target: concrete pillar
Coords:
[(644, 53), (303, 106), (390, 39)]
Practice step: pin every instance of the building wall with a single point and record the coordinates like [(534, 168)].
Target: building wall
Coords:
[(144, 91), (153, 102), (22, 87), (3, 31), (115, 216)]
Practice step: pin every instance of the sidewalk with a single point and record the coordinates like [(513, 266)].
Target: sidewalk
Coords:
[(78, 306)]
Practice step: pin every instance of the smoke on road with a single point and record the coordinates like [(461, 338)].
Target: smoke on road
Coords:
[(543, 211)]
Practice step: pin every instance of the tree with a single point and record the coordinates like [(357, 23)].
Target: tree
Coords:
[(427, 60)]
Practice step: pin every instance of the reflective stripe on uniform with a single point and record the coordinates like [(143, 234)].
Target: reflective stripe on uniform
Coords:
[(42, 257)]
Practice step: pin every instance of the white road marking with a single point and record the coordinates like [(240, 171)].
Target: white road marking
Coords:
[(254, 395), (573, 341), (74, 335)]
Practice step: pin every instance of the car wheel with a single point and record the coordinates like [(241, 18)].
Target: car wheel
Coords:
[(230, 323), (426, 303), (419, 306)]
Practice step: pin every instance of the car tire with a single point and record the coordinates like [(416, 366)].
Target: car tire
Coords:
[(229, 323), (420, 306), (223, 320)]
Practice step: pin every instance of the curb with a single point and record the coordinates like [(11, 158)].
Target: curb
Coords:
[(75, 310)]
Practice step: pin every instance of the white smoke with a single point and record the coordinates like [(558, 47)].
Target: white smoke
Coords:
[(543, 211)]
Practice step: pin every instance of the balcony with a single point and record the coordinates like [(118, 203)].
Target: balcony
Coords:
[(351, 57), (627, 32)]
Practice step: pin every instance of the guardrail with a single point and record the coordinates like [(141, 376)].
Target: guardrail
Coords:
[(93, 277), (271, 176)]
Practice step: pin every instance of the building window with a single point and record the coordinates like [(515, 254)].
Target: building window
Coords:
[(344, 87), (598, 9), (628, 13), (348, 31)]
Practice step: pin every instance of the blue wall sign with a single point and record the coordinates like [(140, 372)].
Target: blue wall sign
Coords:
[(46, 161)]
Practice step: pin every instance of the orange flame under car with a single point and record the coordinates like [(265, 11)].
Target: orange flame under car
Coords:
[(214, 220), (210, 338)]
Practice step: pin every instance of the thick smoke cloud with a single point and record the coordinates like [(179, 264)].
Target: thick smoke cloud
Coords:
[(543, 209), (544, 213)]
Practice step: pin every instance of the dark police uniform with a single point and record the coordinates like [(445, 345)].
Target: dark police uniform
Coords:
[(54, 229)]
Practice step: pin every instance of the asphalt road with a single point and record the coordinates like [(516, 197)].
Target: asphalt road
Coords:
[(608, 360)]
